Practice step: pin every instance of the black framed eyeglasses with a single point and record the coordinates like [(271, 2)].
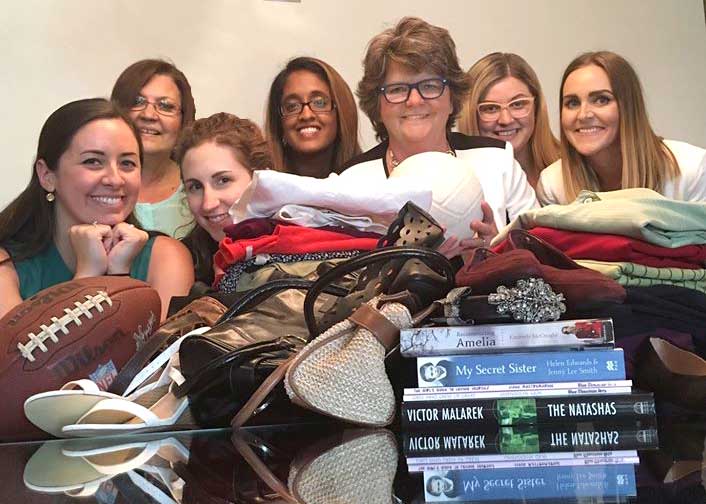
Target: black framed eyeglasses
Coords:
[(399, 92), (318, 105), (163, 106)]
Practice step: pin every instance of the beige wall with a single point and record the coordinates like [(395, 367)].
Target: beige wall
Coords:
[(54, 51)]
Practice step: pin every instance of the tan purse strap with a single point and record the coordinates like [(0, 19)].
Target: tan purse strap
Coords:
[(260, 394), (263, 472), (371, 319)]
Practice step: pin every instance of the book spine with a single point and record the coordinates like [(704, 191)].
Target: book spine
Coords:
[(517, 386), (497, 369), (530, 483), (536, 440), (526, 410), (443, 465), (517, 393), (488, 338)]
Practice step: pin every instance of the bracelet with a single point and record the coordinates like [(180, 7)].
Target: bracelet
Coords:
[(118, 274)]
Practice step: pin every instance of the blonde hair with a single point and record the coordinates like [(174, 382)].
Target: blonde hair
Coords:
[(488, 71), (646, 161), (415, 44)]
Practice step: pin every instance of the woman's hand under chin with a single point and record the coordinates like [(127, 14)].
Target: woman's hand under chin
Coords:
[(127, 242), (91, 244)]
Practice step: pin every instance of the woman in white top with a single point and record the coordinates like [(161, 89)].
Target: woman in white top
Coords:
[(607, 142), (158, 98), (412, 90)]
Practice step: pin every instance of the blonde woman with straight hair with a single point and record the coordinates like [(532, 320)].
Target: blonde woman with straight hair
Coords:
[(607, 142), (506, 102)]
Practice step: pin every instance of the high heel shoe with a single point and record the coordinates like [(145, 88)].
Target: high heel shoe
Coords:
[(673, 374)]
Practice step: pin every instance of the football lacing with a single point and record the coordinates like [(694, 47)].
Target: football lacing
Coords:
[(59, 324)]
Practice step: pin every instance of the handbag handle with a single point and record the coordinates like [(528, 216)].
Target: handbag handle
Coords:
[(429, 257), (263, 292)]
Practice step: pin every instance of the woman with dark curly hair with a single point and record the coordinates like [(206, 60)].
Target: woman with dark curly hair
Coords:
[(412, 90), (217, 156)]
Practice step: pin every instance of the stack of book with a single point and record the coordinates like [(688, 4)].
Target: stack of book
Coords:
[(525, 411)]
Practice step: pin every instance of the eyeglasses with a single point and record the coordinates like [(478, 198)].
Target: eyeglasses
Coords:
[(318, 105), (163, 106), (399, 92), (519, 108)]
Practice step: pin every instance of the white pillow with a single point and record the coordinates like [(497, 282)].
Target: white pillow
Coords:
[(456, 191)]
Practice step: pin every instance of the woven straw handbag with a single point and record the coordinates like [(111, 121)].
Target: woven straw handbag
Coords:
[(351, 466)]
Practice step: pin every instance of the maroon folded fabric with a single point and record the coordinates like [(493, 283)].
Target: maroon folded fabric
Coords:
[(616, 248), (582, 288)]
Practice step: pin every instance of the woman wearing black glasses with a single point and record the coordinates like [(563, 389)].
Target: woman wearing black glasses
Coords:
[(157, 96), (412, 90), (312, 120)]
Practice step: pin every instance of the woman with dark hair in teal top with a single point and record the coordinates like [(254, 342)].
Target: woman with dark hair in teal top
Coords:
[(75, 219)]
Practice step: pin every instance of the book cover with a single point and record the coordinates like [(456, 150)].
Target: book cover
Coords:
[(505, 387), (530, 483), (526, 461), (527, 410), (518, 393), (530, 439), (538, 367), (491, 338)]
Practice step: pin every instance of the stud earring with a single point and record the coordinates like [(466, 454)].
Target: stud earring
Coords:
[(50, 197)]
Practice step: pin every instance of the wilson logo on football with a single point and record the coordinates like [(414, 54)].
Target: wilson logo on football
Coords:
[(49, 332)]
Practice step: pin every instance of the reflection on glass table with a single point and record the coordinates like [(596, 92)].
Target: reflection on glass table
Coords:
[(321, 463)]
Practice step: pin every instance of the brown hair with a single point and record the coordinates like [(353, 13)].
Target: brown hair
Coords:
[(646, 161), (346, 143), (420, 46), (251, 149), (488, 71), (137, 75), (27, 223)]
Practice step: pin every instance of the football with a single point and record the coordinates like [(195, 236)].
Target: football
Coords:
[(456, 191), (85, 328)]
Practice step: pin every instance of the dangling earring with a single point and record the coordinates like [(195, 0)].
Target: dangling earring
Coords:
[(50, 197)]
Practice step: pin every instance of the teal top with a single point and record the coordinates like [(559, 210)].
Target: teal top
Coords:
[(170, 216), (48, 268)]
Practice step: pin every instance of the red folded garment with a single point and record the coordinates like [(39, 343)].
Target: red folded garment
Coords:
[(616, 248), (287, 239)]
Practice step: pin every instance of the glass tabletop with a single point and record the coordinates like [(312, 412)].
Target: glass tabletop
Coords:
[(333, 463)]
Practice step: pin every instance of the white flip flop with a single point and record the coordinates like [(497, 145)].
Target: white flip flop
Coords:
[(52, 410), (120, 416)]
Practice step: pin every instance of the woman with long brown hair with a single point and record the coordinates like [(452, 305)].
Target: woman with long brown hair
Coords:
[(75, 218), (607, 142), (312, 120)]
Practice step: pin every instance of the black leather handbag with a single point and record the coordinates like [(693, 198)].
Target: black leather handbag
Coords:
[(226, 365)]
